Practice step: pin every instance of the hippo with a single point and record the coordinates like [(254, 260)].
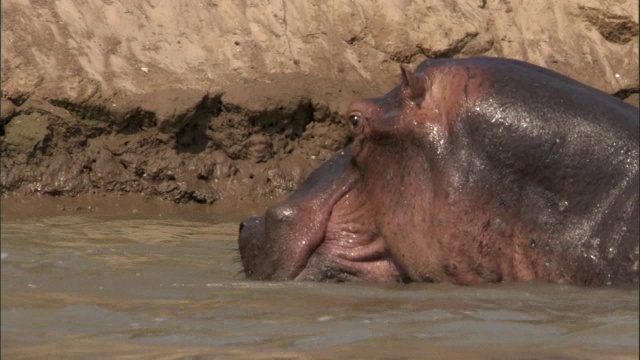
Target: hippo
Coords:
[(472, 171)]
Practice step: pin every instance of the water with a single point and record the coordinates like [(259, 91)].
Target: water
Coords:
[(152, 280)]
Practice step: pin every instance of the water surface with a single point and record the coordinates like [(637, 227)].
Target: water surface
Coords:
[(152, 280)]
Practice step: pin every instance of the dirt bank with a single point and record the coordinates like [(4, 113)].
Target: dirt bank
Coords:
[(204, 100)]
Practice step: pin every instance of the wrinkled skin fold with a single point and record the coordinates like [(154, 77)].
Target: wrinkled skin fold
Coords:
[(471, 171)]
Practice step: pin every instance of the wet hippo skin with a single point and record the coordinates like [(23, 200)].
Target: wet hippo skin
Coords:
[(471, 171)]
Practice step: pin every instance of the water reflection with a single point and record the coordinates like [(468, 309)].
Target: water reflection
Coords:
[(86, 285)]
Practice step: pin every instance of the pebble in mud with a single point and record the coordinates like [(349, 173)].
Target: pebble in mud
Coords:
[(6, 111)]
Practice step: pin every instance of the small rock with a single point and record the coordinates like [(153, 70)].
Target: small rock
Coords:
[(6, 111)]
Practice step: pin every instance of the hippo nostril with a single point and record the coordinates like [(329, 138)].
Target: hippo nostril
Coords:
[(241, 227), (281, 213)]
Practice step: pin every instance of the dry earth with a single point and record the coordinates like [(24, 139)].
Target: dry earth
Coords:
[(203, 100)]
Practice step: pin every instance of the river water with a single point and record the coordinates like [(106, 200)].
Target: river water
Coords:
[(142, 279)]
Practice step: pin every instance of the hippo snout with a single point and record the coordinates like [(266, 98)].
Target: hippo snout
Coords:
[(250, 238), (249, 232)]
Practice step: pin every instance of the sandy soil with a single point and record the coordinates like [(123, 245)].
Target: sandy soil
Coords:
[(197, 101)]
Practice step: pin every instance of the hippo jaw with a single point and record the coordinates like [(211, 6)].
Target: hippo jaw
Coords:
[(352, 247), (323, 232)]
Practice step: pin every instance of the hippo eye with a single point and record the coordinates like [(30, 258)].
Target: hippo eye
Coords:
[(355, 120)]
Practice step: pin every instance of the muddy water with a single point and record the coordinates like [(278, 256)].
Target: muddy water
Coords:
[(153, 280)]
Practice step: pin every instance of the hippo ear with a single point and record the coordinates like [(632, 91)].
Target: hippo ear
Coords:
[(413, 85)]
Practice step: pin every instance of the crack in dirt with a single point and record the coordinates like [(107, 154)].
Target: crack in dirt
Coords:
[(619, 29), (625, 93), (286, 32)]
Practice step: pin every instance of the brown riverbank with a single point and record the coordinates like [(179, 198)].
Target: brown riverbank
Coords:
[(211, 100)]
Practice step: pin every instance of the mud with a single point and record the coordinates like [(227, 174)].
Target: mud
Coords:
[(208, 151), (203, 101)]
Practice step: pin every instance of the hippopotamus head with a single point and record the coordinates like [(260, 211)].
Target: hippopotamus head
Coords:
[(470, 171)]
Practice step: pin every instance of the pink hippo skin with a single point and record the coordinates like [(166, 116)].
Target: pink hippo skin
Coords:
[(471, 171)]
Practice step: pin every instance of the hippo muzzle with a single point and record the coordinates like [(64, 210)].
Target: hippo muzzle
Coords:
[(303, 238)]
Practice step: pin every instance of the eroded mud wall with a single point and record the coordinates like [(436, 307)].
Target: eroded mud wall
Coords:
[(199, 100)]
